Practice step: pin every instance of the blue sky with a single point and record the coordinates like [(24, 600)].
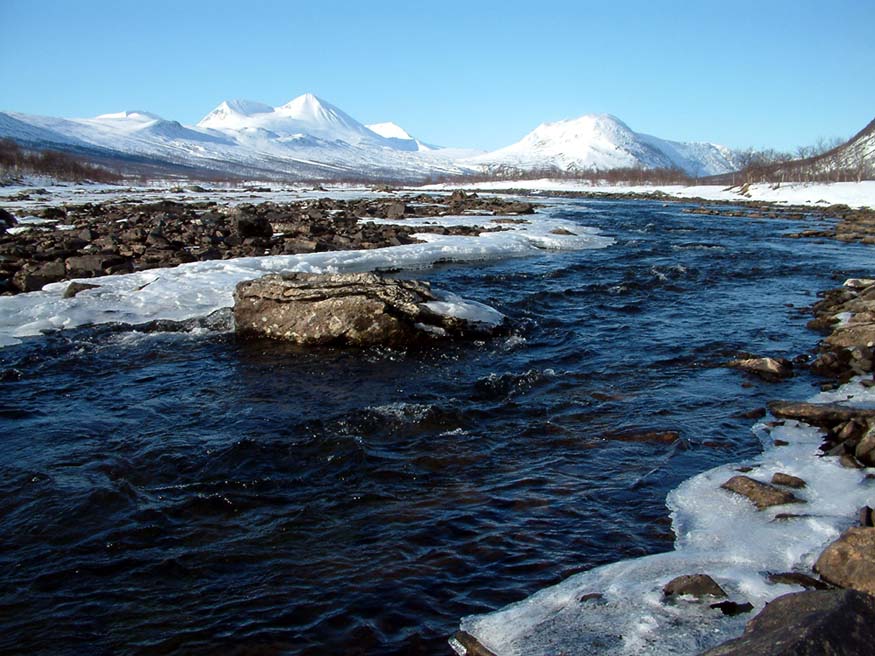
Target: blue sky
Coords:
[(480, 74)]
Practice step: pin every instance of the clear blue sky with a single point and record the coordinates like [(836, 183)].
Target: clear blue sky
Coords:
[(480, 74)]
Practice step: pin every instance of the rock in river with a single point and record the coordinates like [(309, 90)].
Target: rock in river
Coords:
[(761, 494), (354, 309), (811, 623), (850, 560)]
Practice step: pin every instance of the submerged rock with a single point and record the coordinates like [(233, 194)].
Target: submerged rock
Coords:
[(696, 585), (812, 623), (765, 368), (353, 309), (761, 494), (849, 562)]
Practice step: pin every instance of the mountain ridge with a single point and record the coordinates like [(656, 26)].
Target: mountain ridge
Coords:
[(309, 138)]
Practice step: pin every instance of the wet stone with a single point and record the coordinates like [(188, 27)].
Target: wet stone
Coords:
[(762, 495), (696, 585), (787, 480)]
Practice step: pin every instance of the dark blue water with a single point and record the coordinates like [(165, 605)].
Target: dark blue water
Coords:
[(179, 493)]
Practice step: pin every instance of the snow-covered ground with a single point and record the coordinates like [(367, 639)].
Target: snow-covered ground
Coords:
[(853, 194), (719, 534), (200, 288)]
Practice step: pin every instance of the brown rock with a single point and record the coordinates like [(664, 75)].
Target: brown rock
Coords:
[(761, 494), (767, 368), (471, 645), (865, 451), (697, 585), (849, 562), (797, 578), (812, 623), (817, 414), (395, 210), (33, 277), (75, 288), (780, 478)]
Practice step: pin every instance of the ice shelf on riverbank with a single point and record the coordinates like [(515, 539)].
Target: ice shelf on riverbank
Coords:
[(196, 289), (620, 609), (853, 194)]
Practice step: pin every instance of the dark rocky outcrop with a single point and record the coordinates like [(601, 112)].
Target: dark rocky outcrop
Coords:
[(6, 220), (354, 309), (733, 608), (117, 237), (849, 562), (812, 623), (761, 494), (849, 347)]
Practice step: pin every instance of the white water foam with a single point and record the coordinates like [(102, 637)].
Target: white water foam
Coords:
[(196, 289), (719, 534)]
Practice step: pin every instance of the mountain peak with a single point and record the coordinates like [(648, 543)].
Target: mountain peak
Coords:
[(389, 130), (230, 112), (132, 114), (309, 107)]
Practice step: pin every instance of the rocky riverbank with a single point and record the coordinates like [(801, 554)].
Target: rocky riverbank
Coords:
[(89, 240), (834, 612)]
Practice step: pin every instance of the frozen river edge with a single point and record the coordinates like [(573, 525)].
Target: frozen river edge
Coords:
[(754, 552)]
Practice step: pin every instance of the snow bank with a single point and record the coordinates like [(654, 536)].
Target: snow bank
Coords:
[(854, 194), (718, 533), (199, 288)]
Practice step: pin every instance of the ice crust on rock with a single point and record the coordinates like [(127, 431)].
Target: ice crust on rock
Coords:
[(717, 533)]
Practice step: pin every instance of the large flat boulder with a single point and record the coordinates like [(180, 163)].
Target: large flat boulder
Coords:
[(352, 309), (812, 623)]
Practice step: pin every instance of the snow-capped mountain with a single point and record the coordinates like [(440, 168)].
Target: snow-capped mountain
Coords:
[(306, 138), (309, 138), (599, 142)]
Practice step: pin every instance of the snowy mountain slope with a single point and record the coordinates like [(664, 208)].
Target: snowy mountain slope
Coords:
[(602, 142), (305, 138), (857, 154)]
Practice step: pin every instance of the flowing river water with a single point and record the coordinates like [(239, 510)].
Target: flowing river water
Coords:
[(182, 492)]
